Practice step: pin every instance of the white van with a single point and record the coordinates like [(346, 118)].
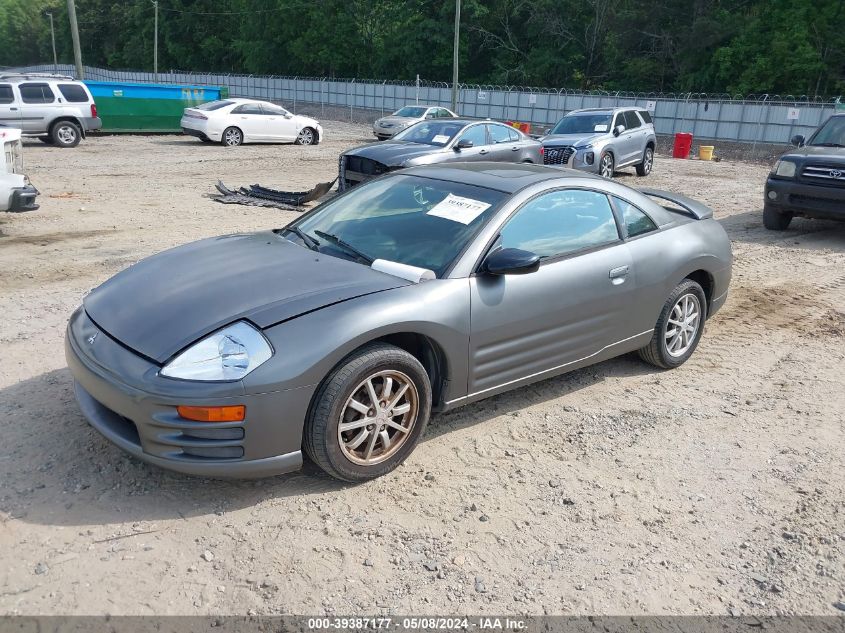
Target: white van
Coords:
[(16, 192), (55, 108)]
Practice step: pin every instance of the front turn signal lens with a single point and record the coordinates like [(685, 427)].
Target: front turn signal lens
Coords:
[(232, 413)]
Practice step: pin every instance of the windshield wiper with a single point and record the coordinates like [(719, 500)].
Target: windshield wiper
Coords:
[(828, 145), (310, 242), (334, 239)]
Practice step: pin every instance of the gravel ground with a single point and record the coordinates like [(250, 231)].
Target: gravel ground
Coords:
[(618, 489)]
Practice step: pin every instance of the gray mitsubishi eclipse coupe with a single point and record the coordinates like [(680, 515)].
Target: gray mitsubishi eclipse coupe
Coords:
[(419, 291)]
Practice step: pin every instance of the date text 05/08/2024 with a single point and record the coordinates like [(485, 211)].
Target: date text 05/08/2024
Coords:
[(416, 623)]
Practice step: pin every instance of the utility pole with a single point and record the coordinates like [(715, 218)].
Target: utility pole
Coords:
[(455, 56), (155, 44), (74, 32), (53, 38)]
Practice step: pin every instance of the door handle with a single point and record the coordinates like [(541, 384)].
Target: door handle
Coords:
[(514, 149), (482, 152), (618, 272), (12, 108)]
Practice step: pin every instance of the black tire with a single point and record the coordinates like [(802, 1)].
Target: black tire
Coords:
[(775, 220), (607, 165), (644, 168), (307, 136), (232, 137), (65, 134), (657, 351), (321, 437)]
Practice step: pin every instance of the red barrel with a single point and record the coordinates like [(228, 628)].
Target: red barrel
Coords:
[(683, 145)]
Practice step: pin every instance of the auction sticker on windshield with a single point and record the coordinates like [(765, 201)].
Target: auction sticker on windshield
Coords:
[(600, 128), (458, 209), (440, 138)]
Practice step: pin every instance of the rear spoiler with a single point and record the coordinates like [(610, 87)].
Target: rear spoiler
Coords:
[(681, 203)]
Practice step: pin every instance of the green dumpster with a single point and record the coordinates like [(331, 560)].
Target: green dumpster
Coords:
[(139, 107)]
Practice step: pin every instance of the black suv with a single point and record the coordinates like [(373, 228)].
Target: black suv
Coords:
[(809, 181)]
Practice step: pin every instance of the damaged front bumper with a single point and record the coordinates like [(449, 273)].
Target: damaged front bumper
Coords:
[(23, 199)]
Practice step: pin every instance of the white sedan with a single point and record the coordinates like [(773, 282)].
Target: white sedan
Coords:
[(236, 121)]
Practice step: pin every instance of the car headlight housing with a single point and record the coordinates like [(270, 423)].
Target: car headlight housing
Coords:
[(226, 355), (785, 169)]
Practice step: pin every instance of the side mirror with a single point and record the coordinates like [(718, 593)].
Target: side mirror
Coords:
[(546, 131), (463, 144), (288, 115), (511, 261), (797, 140), (618, 130)]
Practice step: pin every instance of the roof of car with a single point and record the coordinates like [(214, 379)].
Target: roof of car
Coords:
[(504, 177), (608, 110)]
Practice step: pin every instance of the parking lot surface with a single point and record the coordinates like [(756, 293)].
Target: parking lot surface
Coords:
[(718, 487)]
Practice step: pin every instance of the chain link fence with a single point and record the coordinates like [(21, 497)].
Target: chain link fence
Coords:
[(756, 119)]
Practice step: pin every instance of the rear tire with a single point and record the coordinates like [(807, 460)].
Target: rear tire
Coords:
[(775, 220), (65, 134), (373, 443), (644, 168), (232, 137), (679, 327)]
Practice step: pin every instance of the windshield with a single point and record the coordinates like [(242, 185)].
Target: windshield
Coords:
[(213, 105), (832, 133), (593, 123), (403, 218), (438, 133), (411, 112)]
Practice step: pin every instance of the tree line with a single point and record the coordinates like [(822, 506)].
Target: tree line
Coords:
[(733, 46)]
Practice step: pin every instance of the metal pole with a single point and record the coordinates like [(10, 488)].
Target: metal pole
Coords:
[(155, 44), (53, 38), (74, 32), (418, 90), (455, 56)]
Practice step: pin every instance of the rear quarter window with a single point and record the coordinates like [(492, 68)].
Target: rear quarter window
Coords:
[(36, 93), (6, 94), (645, 116), (73, 93)]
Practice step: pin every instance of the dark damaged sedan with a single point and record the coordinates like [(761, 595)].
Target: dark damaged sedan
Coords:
[(420, 291), (433, 142)]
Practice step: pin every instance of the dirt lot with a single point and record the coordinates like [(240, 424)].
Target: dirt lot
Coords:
[(718, 487)]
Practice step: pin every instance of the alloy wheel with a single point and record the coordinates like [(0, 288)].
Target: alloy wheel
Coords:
[(378, 417), (66, 134), (682, 325), (233, 137), (306, 136), (648, 161), (606, 167)]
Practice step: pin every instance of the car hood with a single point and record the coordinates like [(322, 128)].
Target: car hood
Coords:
[(164, 303), (828, 154), (393, 154), (576, 140), (397, 120)]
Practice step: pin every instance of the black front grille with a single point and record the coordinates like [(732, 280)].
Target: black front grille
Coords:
[(557, 155), (825, 174), (365, 166)]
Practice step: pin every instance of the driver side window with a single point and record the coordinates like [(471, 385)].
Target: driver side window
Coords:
[(561, 222), (477, 134)]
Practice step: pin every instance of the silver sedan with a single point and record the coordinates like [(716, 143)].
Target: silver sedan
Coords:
[(389, 126)]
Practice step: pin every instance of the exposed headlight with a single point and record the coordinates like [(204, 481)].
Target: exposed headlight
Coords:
[(228, 354), (785, 169)]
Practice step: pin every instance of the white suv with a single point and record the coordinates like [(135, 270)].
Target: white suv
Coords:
[(56, 108)]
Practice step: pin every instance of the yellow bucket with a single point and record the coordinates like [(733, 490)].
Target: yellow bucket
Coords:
[(705, 152)]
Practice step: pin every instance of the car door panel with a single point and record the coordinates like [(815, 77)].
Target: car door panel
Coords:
[(567, 311), (481, 149), (10, 107), (252, 122), (279, 127), (572, 308)]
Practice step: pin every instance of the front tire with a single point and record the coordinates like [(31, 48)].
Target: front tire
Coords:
[(679, 327), (307, 136), (644, 168), (232, 137), (368, 414), (65, 134), (775, 220), (606, 165)]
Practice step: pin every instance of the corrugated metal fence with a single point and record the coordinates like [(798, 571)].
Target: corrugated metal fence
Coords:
[(758, 119)]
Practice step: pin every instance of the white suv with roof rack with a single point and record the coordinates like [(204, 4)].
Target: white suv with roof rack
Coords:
[(55, 108)]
